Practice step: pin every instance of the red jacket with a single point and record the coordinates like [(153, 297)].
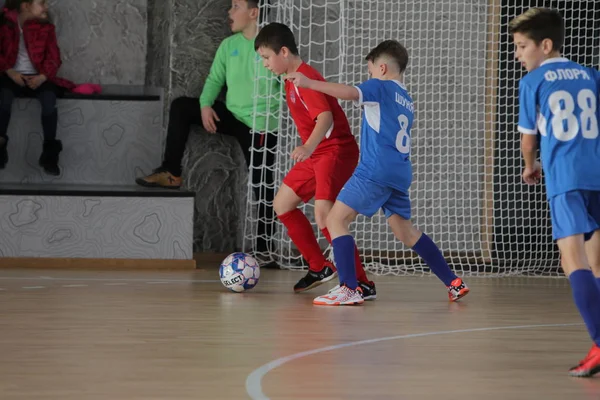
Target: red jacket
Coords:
[(40, 40)]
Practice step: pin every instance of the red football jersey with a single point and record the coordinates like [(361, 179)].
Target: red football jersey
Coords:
[(305, 106)]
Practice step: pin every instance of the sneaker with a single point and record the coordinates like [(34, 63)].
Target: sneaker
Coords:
[(160, 177), (457, 290), (313, 279), (589, 354), (589, 366), (368, 291), (342, 296)]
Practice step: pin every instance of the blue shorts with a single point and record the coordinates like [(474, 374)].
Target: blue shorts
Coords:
[(366, 198), (575, 212)]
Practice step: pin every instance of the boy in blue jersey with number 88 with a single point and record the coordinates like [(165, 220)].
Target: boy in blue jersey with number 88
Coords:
[(384, 172), (558, 99)]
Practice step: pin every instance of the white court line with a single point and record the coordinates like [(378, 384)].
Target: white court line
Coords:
[(254, 380), (158, 283), (33, 287), (74, 285)]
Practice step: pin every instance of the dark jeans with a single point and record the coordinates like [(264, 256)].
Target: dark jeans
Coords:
[(184, 112), (46, 93)]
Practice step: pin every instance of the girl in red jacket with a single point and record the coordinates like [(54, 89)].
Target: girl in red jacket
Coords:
[(29, 61)]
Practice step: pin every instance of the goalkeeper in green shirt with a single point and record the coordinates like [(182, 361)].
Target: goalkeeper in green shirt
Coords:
[(235, 66)]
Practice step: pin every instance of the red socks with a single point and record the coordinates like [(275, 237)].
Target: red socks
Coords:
[(301, 232)]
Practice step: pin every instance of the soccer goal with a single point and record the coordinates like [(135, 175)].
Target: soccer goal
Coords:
[(467, 193)]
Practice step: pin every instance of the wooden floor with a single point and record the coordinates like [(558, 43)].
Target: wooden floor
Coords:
[(77, 335)]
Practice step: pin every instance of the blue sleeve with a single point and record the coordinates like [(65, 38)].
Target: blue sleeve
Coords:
[(595, 75), (527, 110), (369, 92)]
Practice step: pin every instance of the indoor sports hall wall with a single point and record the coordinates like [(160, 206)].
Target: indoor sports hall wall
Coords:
[(101, 41)]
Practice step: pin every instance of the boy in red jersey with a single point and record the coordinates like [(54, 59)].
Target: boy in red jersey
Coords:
[(324, 162)]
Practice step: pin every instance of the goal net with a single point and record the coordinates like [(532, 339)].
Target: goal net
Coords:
[(467, 194)]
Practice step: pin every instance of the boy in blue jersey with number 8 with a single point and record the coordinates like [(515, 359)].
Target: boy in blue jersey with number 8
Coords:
[(384, 172), (558, 105)]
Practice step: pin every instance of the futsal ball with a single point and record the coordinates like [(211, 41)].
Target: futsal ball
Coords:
[(239, 272)]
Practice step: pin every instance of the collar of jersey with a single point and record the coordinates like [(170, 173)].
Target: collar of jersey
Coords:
[(554, 60), (399, 84)]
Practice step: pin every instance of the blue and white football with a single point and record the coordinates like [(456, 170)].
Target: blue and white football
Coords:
[(239, 272)]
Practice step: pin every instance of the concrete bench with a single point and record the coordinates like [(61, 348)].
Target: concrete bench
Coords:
[(87, 224), (93, 213), (108, 138)]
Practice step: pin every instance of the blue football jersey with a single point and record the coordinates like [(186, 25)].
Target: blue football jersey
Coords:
[(559, 102), (385, 133)]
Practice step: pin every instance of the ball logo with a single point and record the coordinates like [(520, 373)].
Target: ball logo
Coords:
[(239, 272), (233, 281)]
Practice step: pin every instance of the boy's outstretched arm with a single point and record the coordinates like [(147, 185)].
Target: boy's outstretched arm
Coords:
[(336, 90)]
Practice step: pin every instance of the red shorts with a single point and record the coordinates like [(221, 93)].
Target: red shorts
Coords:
[(323, 175)]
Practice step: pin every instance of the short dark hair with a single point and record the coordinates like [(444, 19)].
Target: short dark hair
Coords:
[(392, 49), (275, 36), (539, 24), (264, 8), (15, 5)]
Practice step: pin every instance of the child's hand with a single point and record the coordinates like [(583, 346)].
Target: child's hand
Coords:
[(301, 153), (34, 82), (208, 119), (16, 77), (298, 79), (531, 176)]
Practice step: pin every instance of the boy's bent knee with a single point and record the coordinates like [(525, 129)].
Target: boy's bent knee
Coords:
[(572, 253), (322, 210), (592, 250), (321, 221), (340, 216), (333, 221), (404, 230), (285, 200), (281, 208)]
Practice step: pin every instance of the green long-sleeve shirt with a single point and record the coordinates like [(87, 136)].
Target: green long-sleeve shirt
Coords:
[(235, 65)]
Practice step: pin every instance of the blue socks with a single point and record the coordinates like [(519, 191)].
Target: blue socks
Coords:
[(587, 299), (343, 251), (434, 259)]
